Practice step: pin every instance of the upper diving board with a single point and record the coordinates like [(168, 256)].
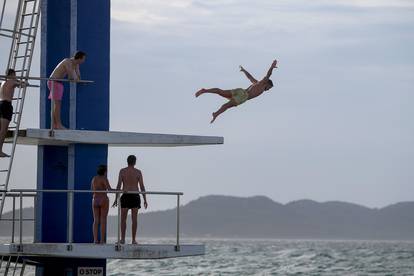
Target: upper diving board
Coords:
[(41, 137)]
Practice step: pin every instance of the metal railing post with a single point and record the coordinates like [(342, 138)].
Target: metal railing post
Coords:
[(13, 218), (70, 220), (177, 246), (118, 243), (34, 216), (21, 222)]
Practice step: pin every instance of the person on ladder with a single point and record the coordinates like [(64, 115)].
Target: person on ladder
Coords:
[(6, 107), (70, 67)]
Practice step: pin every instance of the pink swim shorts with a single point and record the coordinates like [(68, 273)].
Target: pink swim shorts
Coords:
[(56, 90)]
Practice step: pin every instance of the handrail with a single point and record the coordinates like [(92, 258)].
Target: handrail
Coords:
[(22, 193), (3, 77), (114, 191)]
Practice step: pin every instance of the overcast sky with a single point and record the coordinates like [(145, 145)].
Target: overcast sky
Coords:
[(338, 125)]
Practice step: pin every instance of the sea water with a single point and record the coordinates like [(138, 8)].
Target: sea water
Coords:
[(281, 257)]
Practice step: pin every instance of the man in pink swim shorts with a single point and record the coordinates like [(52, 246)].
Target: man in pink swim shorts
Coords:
[(67, 67)]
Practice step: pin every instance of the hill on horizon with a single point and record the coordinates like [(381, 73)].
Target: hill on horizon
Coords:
[(261, 217)]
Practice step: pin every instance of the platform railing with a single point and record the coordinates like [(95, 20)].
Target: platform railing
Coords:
[(33, 193)]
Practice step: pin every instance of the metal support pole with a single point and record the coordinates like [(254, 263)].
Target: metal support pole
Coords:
[(177, 246)]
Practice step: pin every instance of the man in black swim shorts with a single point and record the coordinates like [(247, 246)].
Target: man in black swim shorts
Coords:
[(131, 180), (6, 108)]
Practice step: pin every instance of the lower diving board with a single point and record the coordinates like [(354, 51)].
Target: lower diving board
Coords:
[(101, 251)]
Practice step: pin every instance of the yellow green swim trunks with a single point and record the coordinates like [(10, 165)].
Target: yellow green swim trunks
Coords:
[(239, 95)]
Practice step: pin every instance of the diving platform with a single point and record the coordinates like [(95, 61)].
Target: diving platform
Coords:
[(37, 251), (43, 137)]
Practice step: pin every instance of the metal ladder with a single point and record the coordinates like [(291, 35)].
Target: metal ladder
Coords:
[(12, 265), (23, 38)]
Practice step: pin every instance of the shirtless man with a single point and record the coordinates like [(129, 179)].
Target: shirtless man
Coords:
[(6, 107), (67, 67), (239, 95), (129, 178), (100, 203)]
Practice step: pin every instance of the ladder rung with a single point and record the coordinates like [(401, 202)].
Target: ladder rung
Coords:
[(22, 56), (14, 99), (4, 170), (27, 14), (16, 112), (25, 42), (27, 28), (23, 34), (23, 70), (28, 1), (5, 35)]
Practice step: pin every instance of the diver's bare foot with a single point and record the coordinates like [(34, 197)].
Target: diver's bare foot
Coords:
[(199, 92), (214, 118), (134, 242), (2, 154), (122, 241), (62, 127)]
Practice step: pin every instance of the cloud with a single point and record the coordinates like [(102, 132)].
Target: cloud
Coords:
[(379, 3)]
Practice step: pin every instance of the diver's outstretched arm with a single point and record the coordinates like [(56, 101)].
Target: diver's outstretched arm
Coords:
[(248, 75), (269, 72)]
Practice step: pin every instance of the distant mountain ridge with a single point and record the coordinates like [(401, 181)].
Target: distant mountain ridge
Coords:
[(261, 217)]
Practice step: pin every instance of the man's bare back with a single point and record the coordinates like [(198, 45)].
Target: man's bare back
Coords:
[(130, 178), (7, 90), (7, 87), (66, 67), (257, 88)]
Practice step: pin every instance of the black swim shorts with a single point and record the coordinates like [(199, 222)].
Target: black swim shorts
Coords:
[(6, 110), (130, 201)]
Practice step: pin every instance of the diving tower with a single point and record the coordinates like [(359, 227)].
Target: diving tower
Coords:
[(67, 159)]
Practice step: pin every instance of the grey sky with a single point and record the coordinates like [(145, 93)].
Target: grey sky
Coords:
[(336, 126)]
